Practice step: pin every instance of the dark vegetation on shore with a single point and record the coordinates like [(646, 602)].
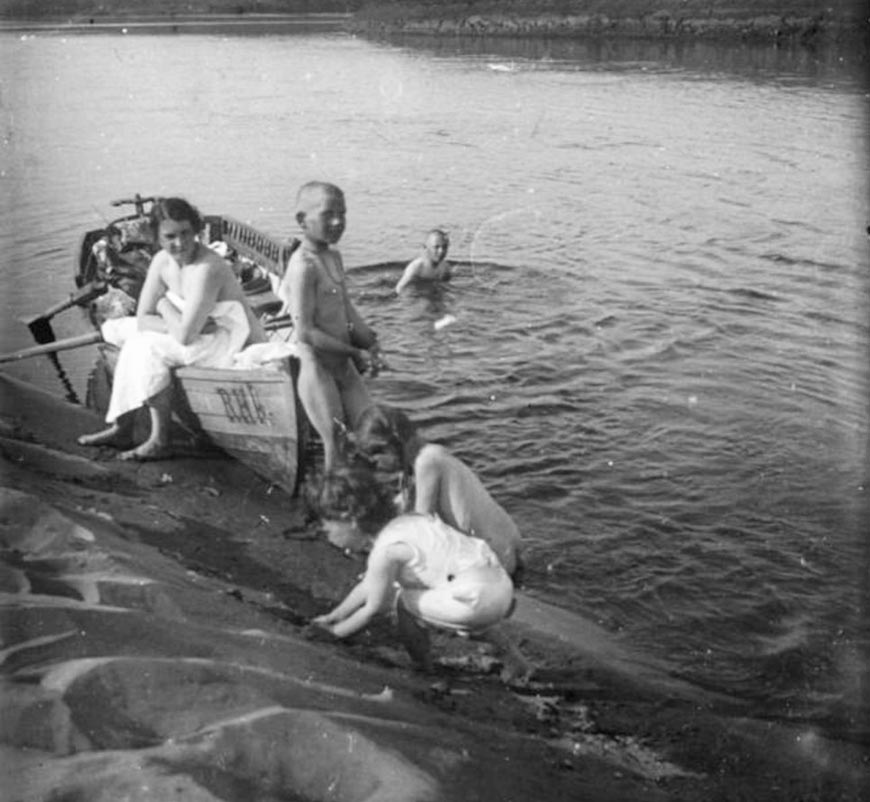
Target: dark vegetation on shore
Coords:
[(803, 21), (807, 21)]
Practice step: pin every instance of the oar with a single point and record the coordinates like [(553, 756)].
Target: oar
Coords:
[(53, 348), (94, 337), (40, 327)]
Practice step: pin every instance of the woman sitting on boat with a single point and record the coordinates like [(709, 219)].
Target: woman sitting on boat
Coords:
[(191, 311)]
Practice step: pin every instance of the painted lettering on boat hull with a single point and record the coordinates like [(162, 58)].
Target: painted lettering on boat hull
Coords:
[(242, 404)]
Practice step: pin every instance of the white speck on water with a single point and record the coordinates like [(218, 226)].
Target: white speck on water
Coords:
[(443, 321)]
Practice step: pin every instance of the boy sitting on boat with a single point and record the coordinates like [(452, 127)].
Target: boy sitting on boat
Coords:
[(334, 343), (191, 311)]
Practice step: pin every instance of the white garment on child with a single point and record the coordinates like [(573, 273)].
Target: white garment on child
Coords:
[(147, 357), (453, 581)]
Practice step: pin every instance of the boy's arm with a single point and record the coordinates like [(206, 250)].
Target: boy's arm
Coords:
[(411, 271), (361, 329)]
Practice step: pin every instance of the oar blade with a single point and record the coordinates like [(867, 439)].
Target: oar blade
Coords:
[(40, 325)]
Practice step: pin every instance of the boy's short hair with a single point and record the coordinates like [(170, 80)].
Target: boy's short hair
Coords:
[(312, 191), (382, 424), (351, 492), (177, 209)]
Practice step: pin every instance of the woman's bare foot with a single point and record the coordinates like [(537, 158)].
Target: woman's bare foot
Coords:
[(147, 452), (114, 436)]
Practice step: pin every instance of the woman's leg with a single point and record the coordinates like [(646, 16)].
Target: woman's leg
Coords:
[(118, 434), (157, 444)]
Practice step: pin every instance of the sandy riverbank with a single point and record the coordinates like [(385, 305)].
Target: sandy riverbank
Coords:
[(155, 645)]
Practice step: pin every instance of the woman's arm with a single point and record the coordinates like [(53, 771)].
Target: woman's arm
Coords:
[(201, 292), (155, 312), (153, 289)]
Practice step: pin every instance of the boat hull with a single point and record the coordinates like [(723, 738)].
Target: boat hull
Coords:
[(252, 415)]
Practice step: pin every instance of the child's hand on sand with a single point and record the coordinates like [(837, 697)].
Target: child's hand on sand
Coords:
[(319, 629)]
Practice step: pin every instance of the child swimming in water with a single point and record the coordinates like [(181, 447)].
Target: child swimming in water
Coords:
[(430, 265)]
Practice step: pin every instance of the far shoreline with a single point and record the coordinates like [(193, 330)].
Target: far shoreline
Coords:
[(778, 22), (187, 22)]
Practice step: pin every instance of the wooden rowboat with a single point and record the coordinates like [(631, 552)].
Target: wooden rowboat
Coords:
[(254, 415)]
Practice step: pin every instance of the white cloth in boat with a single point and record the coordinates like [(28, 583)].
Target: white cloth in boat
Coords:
[(264, 355), (147, 357)]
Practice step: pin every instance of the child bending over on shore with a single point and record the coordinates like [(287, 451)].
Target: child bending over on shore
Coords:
[(334, 343), (430, 264), (431, 574), (432, 480)]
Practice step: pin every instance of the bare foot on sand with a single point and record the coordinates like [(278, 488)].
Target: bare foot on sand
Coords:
[(147, 452), (114, 436)]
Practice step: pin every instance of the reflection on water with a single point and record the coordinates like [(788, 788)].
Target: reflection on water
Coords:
[(842, 65), (659, 356)]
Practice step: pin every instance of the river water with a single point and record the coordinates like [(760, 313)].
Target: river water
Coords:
[(659, 360)]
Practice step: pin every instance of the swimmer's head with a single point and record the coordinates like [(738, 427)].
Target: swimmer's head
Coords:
[(436, 244)]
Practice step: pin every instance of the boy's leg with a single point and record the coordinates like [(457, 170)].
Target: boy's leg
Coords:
[(355, 397), (319, 395)]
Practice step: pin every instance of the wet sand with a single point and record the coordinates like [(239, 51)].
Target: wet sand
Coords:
[(155, 646)]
